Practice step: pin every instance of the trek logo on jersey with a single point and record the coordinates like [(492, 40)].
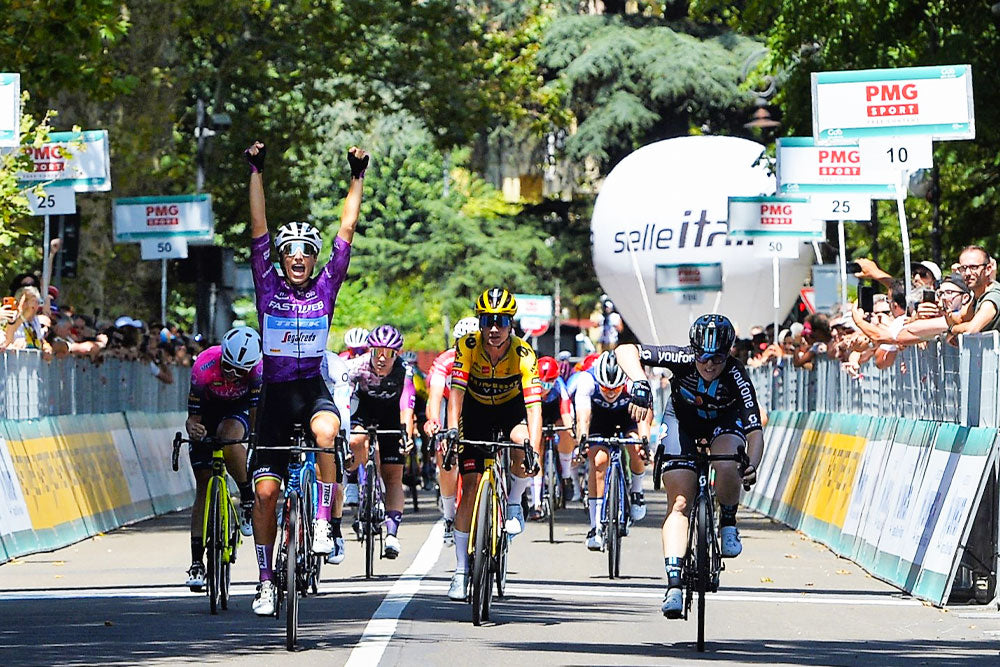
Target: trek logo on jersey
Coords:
[(301, 308)]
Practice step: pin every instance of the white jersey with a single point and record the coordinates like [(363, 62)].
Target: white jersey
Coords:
[(335, 375)]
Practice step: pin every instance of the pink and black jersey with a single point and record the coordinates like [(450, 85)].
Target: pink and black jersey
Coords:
[(209, 384)]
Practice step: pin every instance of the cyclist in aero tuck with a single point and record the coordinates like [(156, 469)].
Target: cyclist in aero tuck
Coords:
[(295, 310), (711, 401)]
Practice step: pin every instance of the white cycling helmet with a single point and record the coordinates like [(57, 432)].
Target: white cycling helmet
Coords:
[(241, 348), (298, 231), (356, 338), (607, 371), (464, 327)]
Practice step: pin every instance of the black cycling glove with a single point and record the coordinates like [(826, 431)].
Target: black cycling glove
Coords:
[(358, 165), (642, 394), (256, 161)]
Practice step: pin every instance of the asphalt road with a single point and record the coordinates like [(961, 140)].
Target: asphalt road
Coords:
[(119, 599)]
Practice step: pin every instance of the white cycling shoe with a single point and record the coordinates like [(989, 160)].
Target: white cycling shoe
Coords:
[(351, 494), (595, 540), (266, 598), (246, 518), (323, 542), (673, 603), (638, 507), (338, 553), (457, 589), (391, 549), (731, 544), (196, 577), (514, 525)]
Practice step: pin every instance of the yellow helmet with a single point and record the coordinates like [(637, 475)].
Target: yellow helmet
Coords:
[(496, 301)]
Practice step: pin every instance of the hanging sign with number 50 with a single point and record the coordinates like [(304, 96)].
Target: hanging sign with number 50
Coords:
[(167, 247), (780, 248)]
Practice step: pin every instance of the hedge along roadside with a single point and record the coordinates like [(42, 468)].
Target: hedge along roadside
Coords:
[(894, 495), (67, 478)]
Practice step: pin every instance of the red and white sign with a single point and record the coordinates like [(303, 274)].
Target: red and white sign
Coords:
[(79, 160), (807, 167), (149, 217), (808, 295), (534, 326), (752, 217), (933, 101)]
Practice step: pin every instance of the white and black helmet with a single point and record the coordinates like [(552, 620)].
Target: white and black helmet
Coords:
[(356, 338), (298, 231), (607, 372), (464, 327), (241, 348)]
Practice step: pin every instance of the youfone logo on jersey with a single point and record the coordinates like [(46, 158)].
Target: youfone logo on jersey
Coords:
[(667, 203)]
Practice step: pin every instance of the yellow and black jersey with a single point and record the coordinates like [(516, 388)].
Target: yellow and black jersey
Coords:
[(495, 384)]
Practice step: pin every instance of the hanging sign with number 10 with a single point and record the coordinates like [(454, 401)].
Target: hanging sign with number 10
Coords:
[(898, 153)]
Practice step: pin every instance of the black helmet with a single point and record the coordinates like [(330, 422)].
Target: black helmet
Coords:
[(712, 334)]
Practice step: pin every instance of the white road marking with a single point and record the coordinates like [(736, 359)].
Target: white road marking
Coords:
[(382, 625)]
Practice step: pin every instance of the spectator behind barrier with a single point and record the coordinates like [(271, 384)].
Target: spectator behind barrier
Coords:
[(24, 331), (983, 312)]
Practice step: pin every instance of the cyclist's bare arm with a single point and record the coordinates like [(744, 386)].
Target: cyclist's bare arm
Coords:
[(352, 205), (455, 401), (258, 219), (406, 418), (435, 394), (535, 425), (582, 419), (195, 429), (628, 361)]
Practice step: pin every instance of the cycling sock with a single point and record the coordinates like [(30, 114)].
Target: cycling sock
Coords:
[(335, 527), (392, 521), (264, 552), (461, 551), (536, 491), (637, 482), (673, 566), (197, 550), (727, 517), (448, 507), (566, 463), (517, 488), (246, 492), (595, 506), (326, 493)]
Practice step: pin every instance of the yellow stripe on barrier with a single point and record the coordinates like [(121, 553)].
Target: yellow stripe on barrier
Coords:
[(833, 478)]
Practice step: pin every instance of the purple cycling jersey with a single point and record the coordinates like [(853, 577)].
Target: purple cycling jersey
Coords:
[(295, 323)]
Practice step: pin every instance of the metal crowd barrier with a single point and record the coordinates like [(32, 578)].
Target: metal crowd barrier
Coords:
[(938, 382), (32, 388)]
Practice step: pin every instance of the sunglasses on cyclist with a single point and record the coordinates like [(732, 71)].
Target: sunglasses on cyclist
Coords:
[(487, 321), (296, 247), (717, 358), (234, 372), (547, 386), (386, 352)]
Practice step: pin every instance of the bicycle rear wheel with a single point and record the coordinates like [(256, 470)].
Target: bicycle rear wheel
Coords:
[(481, 580), (503, 544), (551, 483), (703, 564), (213, 545), (232, 532), (368, 519), (614, 534), (294, 524)]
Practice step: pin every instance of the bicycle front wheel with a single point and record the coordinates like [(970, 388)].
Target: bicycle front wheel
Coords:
[(213, 545), (368, 520), (614, 533), (481, 580), (703, 564), (294, 525), (502, 547), (232, 533), (310, 500)]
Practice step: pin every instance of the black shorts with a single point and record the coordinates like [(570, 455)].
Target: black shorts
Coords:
[(382, 415), (610, 423), (685, 439), (551, 413), (286, 404), (479, 421), (213, 413)]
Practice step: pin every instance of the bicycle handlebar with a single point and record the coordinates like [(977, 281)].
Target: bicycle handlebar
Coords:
[(740, 457), (215, 442)]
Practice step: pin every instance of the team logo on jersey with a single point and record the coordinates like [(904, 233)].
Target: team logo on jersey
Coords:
[(522, 351), (470, 341)]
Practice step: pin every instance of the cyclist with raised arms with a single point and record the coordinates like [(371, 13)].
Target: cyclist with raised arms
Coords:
[(295, 310), (356, 342), (557, 410), (602, 409), (711, 400), (494, 386), (225, 388), (438, 390), (335, 376), (384, 395)]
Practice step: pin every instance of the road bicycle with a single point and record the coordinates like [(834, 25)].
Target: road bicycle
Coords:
[(702, 563), (296, 567), (370, 524), (220, 525), (616, 515), (488, 542), (552, 485)]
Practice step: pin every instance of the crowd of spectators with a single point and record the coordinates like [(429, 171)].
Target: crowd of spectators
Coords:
[(29, 322), (892, 317)]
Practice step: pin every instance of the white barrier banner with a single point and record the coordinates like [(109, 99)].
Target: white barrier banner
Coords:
[(14, 515)]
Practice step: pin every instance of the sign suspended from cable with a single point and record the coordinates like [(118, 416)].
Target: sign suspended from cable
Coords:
[(689, 282), (933, 101), (773, 216), (85, 168), (10, 110)]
